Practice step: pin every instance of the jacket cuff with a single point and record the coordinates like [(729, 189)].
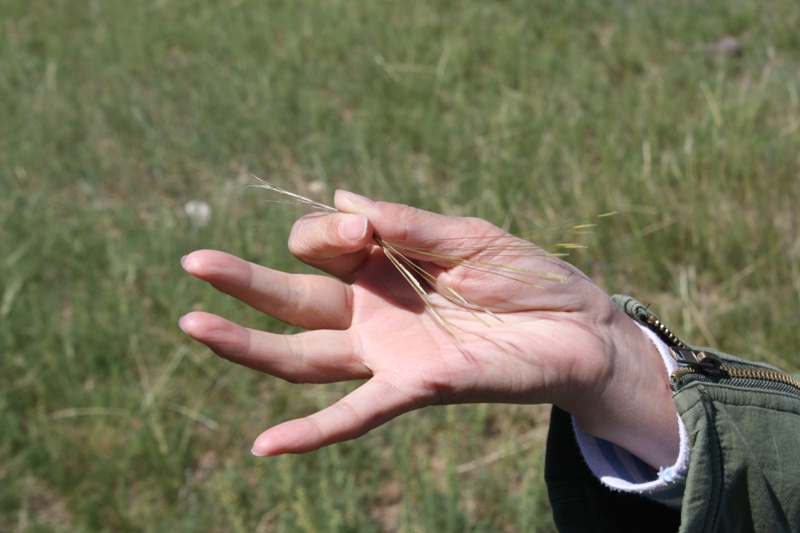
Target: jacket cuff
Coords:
[(620, 470)]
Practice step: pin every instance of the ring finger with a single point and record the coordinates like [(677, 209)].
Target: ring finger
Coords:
[(323, 356)]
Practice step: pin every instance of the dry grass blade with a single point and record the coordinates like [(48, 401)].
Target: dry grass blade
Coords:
[(502, 248), (293, 198), (401, 262), (504, 251), (398, 260)]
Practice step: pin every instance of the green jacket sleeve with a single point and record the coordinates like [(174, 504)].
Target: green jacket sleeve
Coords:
[(743, 421)]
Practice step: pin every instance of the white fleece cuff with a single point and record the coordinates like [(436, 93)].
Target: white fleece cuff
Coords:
[(620, 470)]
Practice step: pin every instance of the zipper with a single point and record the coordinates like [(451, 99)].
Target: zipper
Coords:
[(704, 366)]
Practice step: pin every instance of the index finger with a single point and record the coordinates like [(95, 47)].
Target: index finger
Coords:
[(336, 243)]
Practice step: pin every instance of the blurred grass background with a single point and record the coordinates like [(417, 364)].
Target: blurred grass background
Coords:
[(115, 114)]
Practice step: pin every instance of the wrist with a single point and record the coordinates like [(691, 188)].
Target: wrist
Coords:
[(632, 406)]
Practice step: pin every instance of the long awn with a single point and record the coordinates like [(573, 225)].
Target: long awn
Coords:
[(509, 246)]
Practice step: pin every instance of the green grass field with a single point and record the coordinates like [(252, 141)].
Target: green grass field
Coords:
[(115, 114)]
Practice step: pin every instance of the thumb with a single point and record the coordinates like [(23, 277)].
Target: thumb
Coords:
[(414, 228)]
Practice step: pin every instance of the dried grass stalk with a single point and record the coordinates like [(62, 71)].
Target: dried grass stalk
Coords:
[(507, 247)]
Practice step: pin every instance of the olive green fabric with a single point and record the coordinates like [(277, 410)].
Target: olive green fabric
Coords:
[(744, 473), (745, 468)]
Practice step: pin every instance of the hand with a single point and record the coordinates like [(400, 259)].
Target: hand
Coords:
[(564, 343)]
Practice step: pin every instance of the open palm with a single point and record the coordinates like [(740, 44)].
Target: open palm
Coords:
[(525, 343)]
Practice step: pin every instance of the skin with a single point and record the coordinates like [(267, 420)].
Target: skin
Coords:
[(562, 343)]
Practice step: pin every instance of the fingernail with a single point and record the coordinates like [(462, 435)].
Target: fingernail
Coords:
[(356, 199), (182, 258), (258, 450), (354, 228)]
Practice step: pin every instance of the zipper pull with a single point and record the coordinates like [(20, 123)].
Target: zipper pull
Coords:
[(703, 361)]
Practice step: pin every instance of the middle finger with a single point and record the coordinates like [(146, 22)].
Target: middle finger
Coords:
[(303, 300)]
